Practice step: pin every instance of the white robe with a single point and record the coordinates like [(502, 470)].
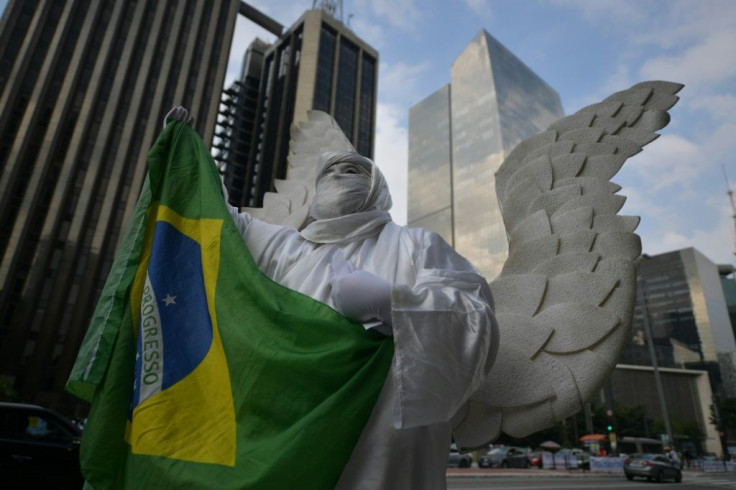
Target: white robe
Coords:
[(445, 337)]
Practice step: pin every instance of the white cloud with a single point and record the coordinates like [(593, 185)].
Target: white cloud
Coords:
[(719, 106), (480, 7), (370, 32), (683, 22), (705, 64), (398, 13), (673, 161), (662, 23), (397, 82), (611, 13), (716, 243), (720, 143), (663, 225), (391, 155), (620, 79)]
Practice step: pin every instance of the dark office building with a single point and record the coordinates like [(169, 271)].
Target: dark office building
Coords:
[(235, 132), (728, 282), (317, 64), (683, 301), (84, 85)]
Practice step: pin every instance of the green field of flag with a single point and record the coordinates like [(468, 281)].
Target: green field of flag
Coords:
[(201, 371)]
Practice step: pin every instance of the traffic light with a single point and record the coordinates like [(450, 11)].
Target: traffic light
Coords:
[(610, 428)]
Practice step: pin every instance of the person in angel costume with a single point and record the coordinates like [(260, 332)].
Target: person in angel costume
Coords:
[(404, 282), (469, 364)]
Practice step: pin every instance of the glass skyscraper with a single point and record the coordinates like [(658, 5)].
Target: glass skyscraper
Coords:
[(458, 137)]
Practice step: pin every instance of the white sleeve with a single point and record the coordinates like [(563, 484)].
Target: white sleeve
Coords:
[(259, 236), (445, 335), (242, 220)]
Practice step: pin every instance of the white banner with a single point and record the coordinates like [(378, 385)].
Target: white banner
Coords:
[(547, 460), (563, 461), (711, 466), (607, 465)]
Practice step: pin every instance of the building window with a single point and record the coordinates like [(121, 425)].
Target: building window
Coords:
[(346, 84), (325, 63), (365, 112)]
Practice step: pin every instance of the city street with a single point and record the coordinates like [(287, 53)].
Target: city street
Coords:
[(539, 479)]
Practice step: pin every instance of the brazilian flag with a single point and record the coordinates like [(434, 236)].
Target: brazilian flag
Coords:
[(201, 371)]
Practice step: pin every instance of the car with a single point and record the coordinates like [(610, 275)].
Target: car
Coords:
[(657, 467), (39, 448), (535, 459), (458, 460), (505, 457), (575, 458)]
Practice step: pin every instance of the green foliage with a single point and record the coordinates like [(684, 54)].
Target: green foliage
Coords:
[(7, 392), (688, 428), (629, 422), (727, 412), (681, 429)]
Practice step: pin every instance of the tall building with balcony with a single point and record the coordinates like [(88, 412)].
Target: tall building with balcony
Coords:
[(682, 299), (318, 63), (459, 136), (84, 86), (236, 128)]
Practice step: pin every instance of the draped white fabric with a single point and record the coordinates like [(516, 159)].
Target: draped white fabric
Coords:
[(444, 331)]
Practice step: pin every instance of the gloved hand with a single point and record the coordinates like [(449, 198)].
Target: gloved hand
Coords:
[(362, 297), (179, 113)]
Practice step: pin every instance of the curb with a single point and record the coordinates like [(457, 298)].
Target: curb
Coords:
[(474, 473)]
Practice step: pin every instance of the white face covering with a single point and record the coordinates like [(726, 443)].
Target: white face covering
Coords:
[(342, 188), (351, 199)]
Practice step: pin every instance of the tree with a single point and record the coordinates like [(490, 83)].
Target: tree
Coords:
[(629, 421), (7, 392), (727, 412)]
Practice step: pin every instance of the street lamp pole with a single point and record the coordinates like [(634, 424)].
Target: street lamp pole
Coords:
[(652, 355)]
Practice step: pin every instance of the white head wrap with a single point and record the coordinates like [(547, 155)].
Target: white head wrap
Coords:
[(348, 207)]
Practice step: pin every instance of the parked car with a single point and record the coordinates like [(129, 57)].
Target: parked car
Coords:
[(535, 459), (458, 460), (657, 467), (505, 457), (38, 448), (575, 458)]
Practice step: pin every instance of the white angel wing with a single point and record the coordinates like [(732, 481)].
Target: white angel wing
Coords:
[(290, 204), (565, 297)]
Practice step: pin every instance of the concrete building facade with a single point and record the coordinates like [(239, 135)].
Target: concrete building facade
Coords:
[(460, 135), (318, 63), (687, 393), (84, 86)]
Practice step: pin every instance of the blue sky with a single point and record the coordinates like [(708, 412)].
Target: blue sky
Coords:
[(585, 49)]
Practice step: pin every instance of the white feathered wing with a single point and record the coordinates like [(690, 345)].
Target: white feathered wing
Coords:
[(565, 297), (309, 140)]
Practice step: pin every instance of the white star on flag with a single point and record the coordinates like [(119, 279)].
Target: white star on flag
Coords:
[(170, 300)]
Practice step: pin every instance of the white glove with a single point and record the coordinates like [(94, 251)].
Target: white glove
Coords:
[(179, 113), (364, 297)]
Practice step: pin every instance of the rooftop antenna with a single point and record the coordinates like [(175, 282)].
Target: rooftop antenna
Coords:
[(332, 7), (733, 204)]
